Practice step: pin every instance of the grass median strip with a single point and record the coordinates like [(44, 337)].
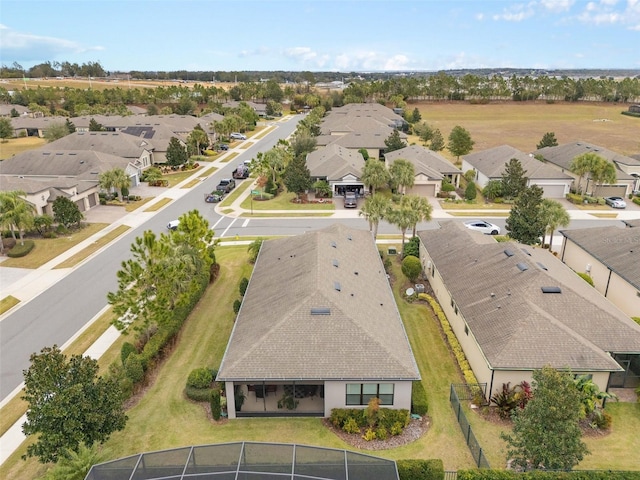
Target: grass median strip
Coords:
[(192, 183), (94, 247), (230, 157), (476, 213), (158, 205), (7, 303), (284, 215), (132, 206)]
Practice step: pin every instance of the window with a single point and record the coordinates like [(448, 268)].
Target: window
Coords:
[(361, 393)]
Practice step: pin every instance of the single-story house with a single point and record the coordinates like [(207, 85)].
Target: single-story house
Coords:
[(611, 257), (47, 174), (340, 167), (327, 334), (29, 126), (7, 108), (381, 113), (137, 151), (627, 168), (516, 309), (430, 167), (490, 164), (158, 134)]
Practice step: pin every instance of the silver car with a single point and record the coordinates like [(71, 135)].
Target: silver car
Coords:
[(482, 226), (615, 202)]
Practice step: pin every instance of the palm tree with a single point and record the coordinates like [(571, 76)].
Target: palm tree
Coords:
[(115, 179), (15, 213), (403, 174), (121, 180), (583, 164), (604, 172), (420, 206), (403, 218), (375, 175), (375, 209), (554, 215)]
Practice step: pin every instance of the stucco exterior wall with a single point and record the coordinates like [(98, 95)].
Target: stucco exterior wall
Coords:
[(335, 395), (621, 293)]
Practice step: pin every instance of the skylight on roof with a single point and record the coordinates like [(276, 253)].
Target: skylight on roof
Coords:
[(508, 253), (551, 290), (321, 311)]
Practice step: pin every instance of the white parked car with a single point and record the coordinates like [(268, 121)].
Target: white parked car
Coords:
[(173, 224), (238, 136), (615, 202), (482, 226)]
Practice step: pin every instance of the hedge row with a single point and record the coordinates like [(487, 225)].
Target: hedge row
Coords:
[(420, 469), (541, 475), (468, 374), (21, 250), (419, 400), (386, 417), (135, 364)]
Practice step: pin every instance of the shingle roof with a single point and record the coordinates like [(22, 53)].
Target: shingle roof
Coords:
[(616, 248), (276, 336), (424, 160), (113, 143), (361, 140), (516, 325), (335, 162), (69, 163), (492, 162), (563, 155)]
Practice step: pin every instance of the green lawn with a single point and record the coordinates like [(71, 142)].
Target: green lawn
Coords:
[(8, 302), (47, 249), (283, 202)]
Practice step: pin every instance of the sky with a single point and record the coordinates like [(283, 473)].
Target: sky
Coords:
[(322, 35)]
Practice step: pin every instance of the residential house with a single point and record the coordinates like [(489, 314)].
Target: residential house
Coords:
[(490, 164), (611, 257), (338, 166), (627, 168), (28, 126), (516, 309), (430, 167), (46, 174), (137, 151), (159, 135), (6, 109), (327, 334)]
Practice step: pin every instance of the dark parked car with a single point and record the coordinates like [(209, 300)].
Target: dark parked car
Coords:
[(226, 185), (350, 200), (221, 147)]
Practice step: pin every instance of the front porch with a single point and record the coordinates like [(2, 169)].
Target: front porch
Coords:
[(279, 399)]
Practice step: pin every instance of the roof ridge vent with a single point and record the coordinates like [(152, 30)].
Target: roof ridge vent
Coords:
[(522, 266)]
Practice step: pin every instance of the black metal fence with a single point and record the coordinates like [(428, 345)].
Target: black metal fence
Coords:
[(468, 392)]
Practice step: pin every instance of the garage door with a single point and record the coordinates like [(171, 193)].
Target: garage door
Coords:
[(553, 191), (423, 190), (80, 204), (611, 191), (92, 200)]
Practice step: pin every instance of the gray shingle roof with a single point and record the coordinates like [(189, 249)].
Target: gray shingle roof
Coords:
[(492, 162), (113, 143), (276, 336), (617, 248), (424, 160), (70, 163), (334, 162), (563, 155), (516, 325)]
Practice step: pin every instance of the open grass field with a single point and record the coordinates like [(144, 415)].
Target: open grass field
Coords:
[(14, 146), (522, 124)]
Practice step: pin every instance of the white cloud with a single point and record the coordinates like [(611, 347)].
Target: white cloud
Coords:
[(480, 16), (516, 12), (27, 47), (253, 53), (611, 12), (558, 5)]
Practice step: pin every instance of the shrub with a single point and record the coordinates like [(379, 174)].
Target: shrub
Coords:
[(21, 250), (412, 247), (133, 368), (411, 267), (351, 426), (369, 434), (215, 404), (505, 400), (586, 277), (396, 429), (419, 401), (381, 433), (421, 469), (198, 394), (126, 350), (636, 200), (236, 306), (470, 192), (601, 420), (244, 283), (636, 319), (447, 187), (484, 474), (200, 378)]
